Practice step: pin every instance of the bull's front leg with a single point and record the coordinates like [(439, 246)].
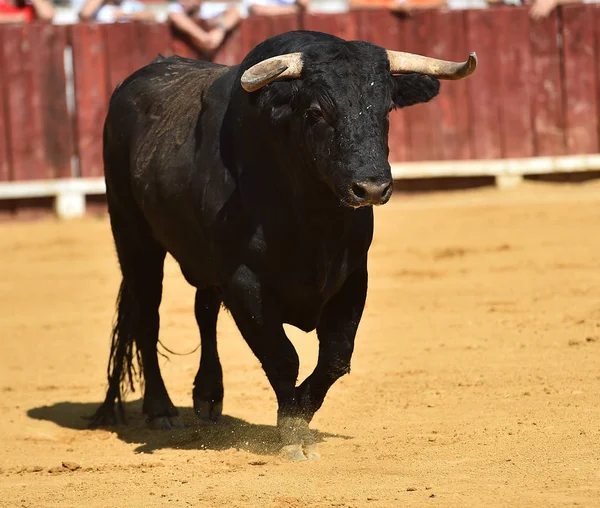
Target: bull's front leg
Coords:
[(258, 317), (336, 332)]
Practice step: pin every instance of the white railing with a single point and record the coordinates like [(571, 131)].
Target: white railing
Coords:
[(70, 193)]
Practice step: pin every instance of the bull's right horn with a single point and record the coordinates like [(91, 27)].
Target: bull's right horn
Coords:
[(401, 63), (272, 69)]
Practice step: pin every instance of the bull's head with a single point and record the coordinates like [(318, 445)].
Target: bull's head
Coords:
[(333, 102)]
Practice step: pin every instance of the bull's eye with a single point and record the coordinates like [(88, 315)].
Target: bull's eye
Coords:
[(314, 114)]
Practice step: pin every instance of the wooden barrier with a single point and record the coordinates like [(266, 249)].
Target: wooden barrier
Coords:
[(103, 56), (36, 131), (530, 97), (579, 79), (91, 95), (22, 66), (5, 171)]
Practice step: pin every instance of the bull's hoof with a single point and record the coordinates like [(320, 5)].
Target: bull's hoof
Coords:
[(293, 453), (298, 441), (208, 411), (311, 451), (298, 453), (165, 423), (105, 416)]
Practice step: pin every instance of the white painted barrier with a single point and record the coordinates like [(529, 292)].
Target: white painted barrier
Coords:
[(70, 193), (497, 167), (508, 172)]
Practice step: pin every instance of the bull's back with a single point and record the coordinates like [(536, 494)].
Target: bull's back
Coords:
[(153, 112), (149, 144)]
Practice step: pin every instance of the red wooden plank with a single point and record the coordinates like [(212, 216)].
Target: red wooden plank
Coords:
[(340, 25), (514, 56), (122, 52), (546, 87), (380, 27), (351, 26), (153, 39), (318, 22), (137, 52), (27, 119), (251, 32), (35, 61), (181, 47), (449, 111), (254, 30), (597, 53), (231, 52), (58, 125), (285, 23), (579, 78), (91, 97), (422, 120), (7, 206), (4, 119), (484, 85), (21, 58), (364, 23)]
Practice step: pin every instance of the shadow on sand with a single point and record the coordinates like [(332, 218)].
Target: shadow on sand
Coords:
[(228, 433)]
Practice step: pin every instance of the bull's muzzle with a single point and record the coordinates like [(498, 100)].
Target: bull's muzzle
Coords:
[(369, 193)]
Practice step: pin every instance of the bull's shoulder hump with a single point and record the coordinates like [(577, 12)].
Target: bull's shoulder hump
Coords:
[(172, 75)]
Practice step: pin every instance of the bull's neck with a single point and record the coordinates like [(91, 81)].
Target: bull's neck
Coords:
[(291, 189), (270, 177)]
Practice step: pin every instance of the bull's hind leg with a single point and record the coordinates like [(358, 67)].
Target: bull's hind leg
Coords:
[(141, 259), (208, 385)]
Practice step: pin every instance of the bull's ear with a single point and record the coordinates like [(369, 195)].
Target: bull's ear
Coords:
[(410, 89), (276, 101)]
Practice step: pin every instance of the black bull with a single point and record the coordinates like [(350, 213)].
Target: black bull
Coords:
[(259, 179)]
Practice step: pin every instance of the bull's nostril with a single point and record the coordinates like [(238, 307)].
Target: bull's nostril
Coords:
[(387, 190), (359, 191)]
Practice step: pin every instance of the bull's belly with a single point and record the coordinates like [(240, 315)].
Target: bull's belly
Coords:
[(198, 271), (303, 305), (306, 318), (186, 244)]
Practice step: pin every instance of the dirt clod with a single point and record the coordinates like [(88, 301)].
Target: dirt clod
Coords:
[(287, 500)]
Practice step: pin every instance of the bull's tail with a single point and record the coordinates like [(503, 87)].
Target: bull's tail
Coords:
[(124, 363)]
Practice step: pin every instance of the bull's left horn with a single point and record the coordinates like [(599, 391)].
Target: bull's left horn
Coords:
[(442, 69), (272, 69)]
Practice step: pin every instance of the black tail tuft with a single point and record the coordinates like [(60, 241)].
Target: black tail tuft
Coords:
[(124, 356), (123, 353)]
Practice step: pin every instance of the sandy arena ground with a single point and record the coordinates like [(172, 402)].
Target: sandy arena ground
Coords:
[(475, 381)]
